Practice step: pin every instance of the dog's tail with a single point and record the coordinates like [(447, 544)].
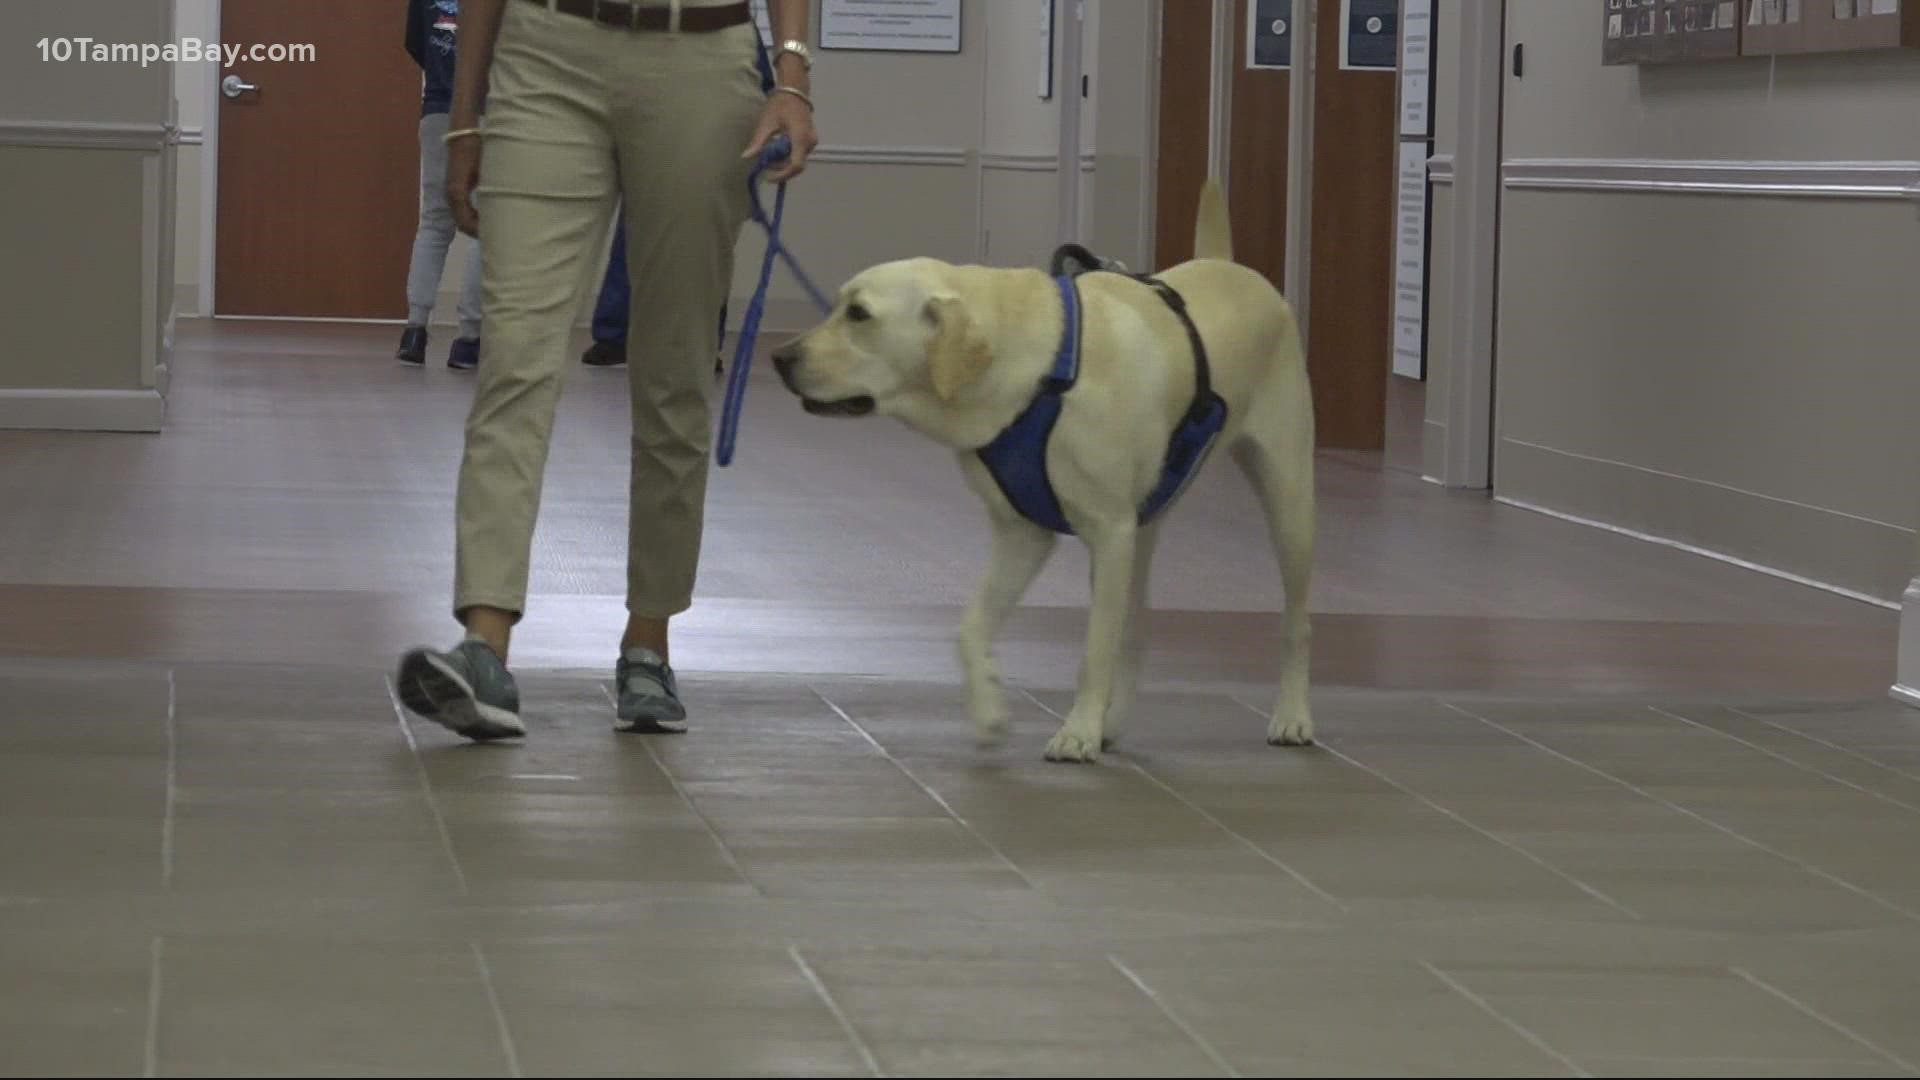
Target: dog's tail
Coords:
[(1212, 232)]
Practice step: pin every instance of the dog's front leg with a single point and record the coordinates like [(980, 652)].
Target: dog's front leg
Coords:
[(1133, 648), (1111, 547), (1020, 549)]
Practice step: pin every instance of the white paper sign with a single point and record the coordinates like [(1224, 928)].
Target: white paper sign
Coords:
[(1416, 67), (1410, 263), (891, 25)]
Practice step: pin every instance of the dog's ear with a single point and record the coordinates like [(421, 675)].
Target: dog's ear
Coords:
[(957, 355)]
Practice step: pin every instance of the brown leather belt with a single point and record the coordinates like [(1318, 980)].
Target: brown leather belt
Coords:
[(693, 20)]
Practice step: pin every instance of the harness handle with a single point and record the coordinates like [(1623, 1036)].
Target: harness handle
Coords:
[(1088, 262)]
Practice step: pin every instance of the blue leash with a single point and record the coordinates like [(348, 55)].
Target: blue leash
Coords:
[(775, 152)]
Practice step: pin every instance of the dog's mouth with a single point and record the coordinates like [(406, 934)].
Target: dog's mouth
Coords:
[(853, 406)]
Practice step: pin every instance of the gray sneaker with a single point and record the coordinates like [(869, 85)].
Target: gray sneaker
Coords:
[(466, 690), (649, 699)]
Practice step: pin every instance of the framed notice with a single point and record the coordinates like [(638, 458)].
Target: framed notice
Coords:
[(1410, 263), (1369, 35), (1270, 34), (931, 26), (1416, 69), (1676, 31)]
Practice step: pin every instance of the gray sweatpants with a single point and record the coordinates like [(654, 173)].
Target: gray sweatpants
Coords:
[(435, 236)]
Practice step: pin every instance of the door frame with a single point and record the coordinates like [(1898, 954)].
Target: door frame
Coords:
[(1068, 25), (210, 179), (1300, 108), (1472, 169), (1472, 263)]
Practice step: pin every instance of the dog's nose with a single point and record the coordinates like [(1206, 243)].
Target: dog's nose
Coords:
[(783, 360)]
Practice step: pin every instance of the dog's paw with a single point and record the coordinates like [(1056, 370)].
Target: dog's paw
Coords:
[(1295, 731), (1074, 746), (990, 718)]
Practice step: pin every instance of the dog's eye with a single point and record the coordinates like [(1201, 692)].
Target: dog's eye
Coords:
[(857, 313)]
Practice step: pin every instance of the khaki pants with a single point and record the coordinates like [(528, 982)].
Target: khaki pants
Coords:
[(580, 116)]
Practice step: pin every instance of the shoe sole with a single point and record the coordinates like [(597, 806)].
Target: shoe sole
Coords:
[(432, 690), (650, 727)]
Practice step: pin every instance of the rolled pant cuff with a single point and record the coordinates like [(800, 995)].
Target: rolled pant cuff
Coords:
[(651, 610), (465, 602)]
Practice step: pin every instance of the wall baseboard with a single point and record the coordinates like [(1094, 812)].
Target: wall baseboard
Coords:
[(82, 410), (1906, 686), (1695, 549), (1851, 556)]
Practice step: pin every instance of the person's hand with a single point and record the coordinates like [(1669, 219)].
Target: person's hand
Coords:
[(785, 114), (463, 175)]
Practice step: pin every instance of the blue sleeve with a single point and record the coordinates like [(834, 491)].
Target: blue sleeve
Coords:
[(417, 32), (763, 61)]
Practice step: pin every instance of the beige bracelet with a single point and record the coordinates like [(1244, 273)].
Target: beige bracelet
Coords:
[(460, 134), (796, 92)]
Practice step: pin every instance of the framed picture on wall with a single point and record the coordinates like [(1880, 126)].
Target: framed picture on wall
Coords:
[(929, 26)]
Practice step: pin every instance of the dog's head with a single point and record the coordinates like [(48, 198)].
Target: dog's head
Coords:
[(900, 341)]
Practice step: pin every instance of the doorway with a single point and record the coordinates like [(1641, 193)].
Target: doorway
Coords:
[(1349, 341), (318, 189)]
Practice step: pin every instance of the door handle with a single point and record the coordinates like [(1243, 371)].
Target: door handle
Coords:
[(233, 86)]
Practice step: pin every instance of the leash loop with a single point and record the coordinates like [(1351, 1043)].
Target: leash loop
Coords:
[(776, 152)]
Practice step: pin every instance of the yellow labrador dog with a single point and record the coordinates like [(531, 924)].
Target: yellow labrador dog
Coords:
[(958, 352)]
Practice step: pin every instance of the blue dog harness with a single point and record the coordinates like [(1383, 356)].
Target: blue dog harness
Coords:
[(1017, 457)]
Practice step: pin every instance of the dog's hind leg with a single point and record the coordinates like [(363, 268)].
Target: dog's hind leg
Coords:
[(1275, 452), (1020, 549), (1133, 641)]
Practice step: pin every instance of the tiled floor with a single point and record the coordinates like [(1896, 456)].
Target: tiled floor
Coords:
[(1582, 805), (264, 871)]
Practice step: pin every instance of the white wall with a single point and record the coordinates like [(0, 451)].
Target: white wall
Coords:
[(922, 154), (87, 165), (1684, 350)]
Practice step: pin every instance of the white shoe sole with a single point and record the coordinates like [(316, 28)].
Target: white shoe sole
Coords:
[(433, 690)]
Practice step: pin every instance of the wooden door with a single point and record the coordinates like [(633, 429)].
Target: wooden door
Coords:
[(1350, 331), (1186, 65), (319, 167), (1257, 159)]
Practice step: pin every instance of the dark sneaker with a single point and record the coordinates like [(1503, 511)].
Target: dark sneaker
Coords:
[(605, 354), (413, 346), (466, 690), (465, 354), (648, 698)]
